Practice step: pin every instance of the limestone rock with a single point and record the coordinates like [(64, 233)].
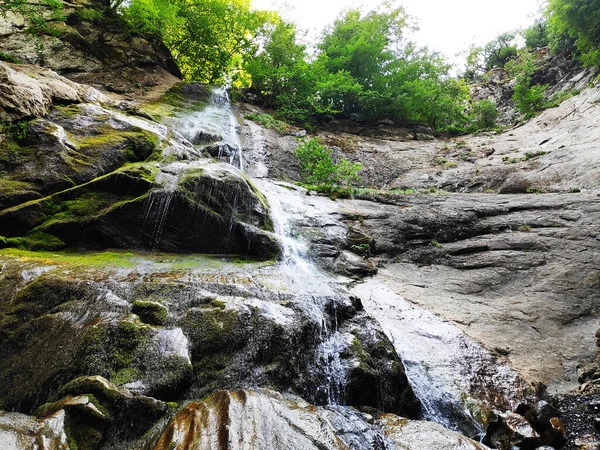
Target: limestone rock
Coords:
[(27, 91), (350, 264), (22, 432), (417, 435)]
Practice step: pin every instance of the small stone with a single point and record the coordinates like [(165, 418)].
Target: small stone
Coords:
[(587, 442), (299, 133), (557, 426)]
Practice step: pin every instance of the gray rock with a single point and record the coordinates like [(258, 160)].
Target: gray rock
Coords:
[(28, 91)]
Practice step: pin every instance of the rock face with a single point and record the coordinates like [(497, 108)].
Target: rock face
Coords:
[(64, 338), (88, 176), (92, 45), (29, 91), (559, 72), (498, 266), (556, 151)]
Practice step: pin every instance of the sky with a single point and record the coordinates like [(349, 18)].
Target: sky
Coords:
[(447, 26)]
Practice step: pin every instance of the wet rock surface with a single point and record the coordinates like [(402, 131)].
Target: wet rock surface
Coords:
[(265, 419), (222, 330)]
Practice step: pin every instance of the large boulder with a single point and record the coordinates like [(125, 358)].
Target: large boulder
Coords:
[(30, 91), (261, 419)]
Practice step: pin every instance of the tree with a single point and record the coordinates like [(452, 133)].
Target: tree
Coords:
[(499, 50), (580, 20), (536, 36), (318, 168), (363, 46), (209, 39)]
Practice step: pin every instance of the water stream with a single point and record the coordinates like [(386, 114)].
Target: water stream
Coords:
[(447, 371)]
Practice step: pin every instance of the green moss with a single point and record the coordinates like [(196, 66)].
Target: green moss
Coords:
[(125, 339), (125, 375), (263, 200), (152, 313), (10, 187), (9, 58), (36, 240)]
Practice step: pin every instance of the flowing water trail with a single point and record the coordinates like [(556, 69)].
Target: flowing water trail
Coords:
[(308, 281)]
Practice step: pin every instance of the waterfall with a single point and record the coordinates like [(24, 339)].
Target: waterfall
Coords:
[(212, 126), (442, 364), (312, 284), (231, 144)]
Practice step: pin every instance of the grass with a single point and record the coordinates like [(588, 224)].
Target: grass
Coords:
[(441, 161), (528, 157), (268, 121), (336, 192), (155, 262)]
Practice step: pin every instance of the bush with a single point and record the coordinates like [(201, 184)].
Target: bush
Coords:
[(529, 99), (317, 166), (484, 115)]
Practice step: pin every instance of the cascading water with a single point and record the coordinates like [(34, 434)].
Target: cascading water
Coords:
[(213, 127), (231, 144), (307, 280)]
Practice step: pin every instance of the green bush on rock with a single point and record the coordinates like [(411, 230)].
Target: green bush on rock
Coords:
[(318, 168)]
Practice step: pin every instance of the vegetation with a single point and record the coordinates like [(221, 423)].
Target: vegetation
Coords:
[(318, 168), (578, 20), (364, 70), (484, 115), (363, 67), (268, 121)]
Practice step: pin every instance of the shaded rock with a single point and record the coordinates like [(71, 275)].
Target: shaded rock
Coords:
[(512, 429), (94, 43), (350, 264), (205, 138), (224, 334), (152, 313)]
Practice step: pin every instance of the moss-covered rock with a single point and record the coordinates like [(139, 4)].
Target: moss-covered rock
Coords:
[(152, 313)]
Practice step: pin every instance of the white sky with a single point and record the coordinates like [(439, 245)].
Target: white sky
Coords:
[(447, 26)]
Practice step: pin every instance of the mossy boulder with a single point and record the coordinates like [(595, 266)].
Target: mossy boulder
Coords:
[(152, 313)]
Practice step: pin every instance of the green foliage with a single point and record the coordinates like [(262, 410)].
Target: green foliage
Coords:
[(436, 244), (34, 12), (364, 70), (578, 20), (529, 98), (16, 130), (268, 121), (537, 35), (9, 58), (535, 190), (318, 168), (211, 40), (361, 249), (484, 115), (499, 50), (151, 17)]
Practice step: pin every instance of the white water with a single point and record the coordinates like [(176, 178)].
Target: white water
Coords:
[(306, 280), (216, 119)]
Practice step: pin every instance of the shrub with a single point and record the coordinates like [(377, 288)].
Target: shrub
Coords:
[(318, 168), (484, 115)]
